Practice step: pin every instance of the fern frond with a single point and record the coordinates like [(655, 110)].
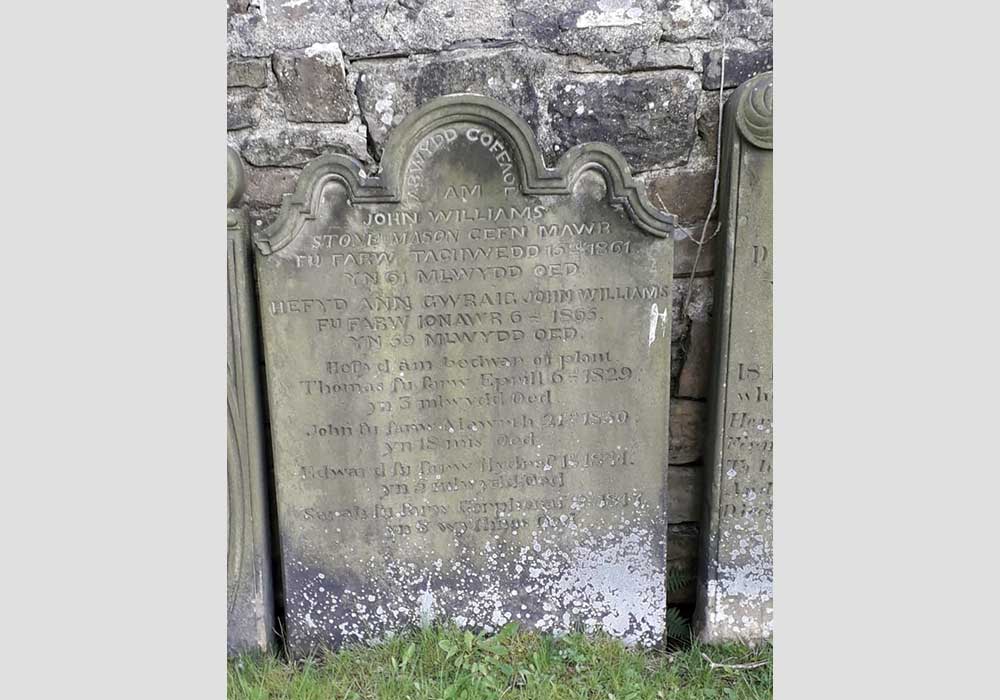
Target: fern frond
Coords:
[(677, 579), (677, 626)]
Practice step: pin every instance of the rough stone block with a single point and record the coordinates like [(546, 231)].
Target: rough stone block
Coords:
[(698, 302), (265, 186), (296, 144), (684, 487), (684, 544), (676, 357), (708, 119), (649, 118), (313, 84), (242, 109), (261, 217), (644, 58), (748, 24), (686, 256), (688, 194), (687, 431), (247, 72), (587, 27), (740, 66), (696, 361), (683, 20), (368, 27), (388, 91)]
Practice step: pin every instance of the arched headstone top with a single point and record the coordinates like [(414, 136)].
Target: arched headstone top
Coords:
[(755, 110), (478, 119)]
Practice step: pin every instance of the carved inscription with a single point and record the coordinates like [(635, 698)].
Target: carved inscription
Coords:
[(735, 593), (469, 413), (741, 589)]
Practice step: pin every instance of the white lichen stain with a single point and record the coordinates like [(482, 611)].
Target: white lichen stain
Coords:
[(656, 316), (610, 13), (426, 607), (613, 580), (328, 54), (610, 576), (384, 106), (740, 595)]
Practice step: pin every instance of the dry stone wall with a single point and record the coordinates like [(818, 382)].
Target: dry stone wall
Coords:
[(307, 77)]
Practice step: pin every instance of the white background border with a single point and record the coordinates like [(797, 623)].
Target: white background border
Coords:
[(113, 289)]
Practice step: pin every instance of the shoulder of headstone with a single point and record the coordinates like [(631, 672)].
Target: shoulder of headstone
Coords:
[(751, 110)]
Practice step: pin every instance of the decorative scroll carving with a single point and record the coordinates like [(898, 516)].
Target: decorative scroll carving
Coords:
[(755, 110)]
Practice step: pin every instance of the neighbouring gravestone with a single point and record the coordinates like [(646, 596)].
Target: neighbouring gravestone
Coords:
[(735, 595), (250, 605), (468, 375)]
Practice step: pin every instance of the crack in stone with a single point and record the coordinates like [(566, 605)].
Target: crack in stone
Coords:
[(503, 44), (370, 145)]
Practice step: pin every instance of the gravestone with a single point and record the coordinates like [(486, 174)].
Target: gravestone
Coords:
[(250, 601), (468, 375), (735, 595)]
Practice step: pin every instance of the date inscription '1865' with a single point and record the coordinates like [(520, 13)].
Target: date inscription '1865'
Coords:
[(468, 375)]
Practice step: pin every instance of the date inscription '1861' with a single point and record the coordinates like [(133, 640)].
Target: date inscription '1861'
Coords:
[(468, 375)]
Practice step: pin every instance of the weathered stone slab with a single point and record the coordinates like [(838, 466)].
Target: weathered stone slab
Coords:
[(745, 23), (649, 117), (735, 595), (594, 28), (648, 58), (250, 597), (696, 366), (313, 84), (366, 27), (390, 90), (247, 72), (689, 193), (296, 144), (686, 256), (684, 20), (687, 431), (468, 369), (266, 186), (685, 486), (587, 27), (242, 109), (740, 65)]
